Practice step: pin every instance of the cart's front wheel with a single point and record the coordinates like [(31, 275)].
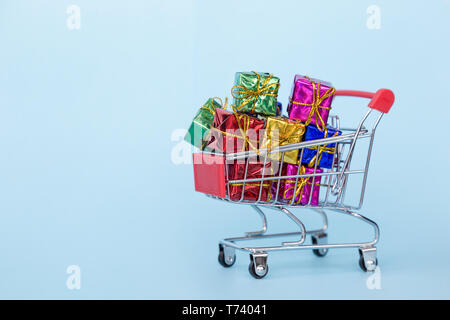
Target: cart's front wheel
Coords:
[(227, 257), (258, 267)]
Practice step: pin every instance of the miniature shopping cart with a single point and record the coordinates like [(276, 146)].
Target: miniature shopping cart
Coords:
[(213, 178)]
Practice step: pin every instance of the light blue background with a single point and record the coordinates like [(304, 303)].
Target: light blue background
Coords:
[(86, 119)]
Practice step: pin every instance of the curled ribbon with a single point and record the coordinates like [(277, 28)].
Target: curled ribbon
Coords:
[(315, 104), (321, 150), (251, 96), (244, 131)]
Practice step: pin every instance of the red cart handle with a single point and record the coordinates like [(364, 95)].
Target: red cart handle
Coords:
[(382, 100)]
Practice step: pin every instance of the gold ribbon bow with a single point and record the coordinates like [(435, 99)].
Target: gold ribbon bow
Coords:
[(251, 96), (210, 105), (321, 149), (315, 104), (244, 131)]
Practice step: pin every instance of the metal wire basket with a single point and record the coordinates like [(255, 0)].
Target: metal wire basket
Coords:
[(331, 182)]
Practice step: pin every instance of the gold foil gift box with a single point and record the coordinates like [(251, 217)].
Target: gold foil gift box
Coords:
[(282, 131)]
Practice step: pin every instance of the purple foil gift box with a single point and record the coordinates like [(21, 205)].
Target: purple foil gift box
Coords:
[(310, 100), (302, 190)]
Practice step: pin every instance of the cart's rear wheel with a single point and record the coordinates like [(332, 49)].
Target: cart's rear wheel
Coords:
[(224, 260), (319, 239), (362, 263)]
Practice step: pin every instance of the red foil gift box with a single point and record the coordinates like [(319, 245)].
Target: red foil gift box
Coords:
[(255, 169), (231, 133)]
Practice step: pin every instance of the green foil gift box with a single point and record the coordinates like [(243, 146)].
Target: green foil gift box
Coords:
[(255, 93), (197, 134)]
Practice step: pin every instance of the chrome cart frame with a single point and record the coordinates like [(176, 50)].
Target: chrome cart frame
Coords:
[(333, 187)]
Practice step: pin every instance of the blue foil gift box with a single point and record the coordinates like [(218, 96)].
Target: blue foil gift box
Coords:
[(279, 109), (325, 153)]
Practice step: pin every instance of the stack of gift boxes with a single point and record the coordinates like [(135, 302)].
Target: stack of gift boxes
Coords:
[(256, 122)]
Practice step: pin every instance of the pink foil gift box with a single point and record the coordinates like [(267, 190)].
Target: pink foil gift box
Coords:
[(304, 185), (310, 101)]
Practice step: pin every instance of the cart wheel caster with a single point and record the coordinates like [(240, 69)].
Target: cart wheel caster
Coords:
[(368, 261), (320, 239), (258, 267), (227, 257)]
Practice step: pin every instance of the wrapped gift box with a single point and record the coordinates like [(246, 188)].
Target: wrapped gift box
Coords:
[(256, 93), (304, 186), (282, 131), (324, 153), (236, 171), (279, 109), (197, 134), (232, 132), (310, 101)]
